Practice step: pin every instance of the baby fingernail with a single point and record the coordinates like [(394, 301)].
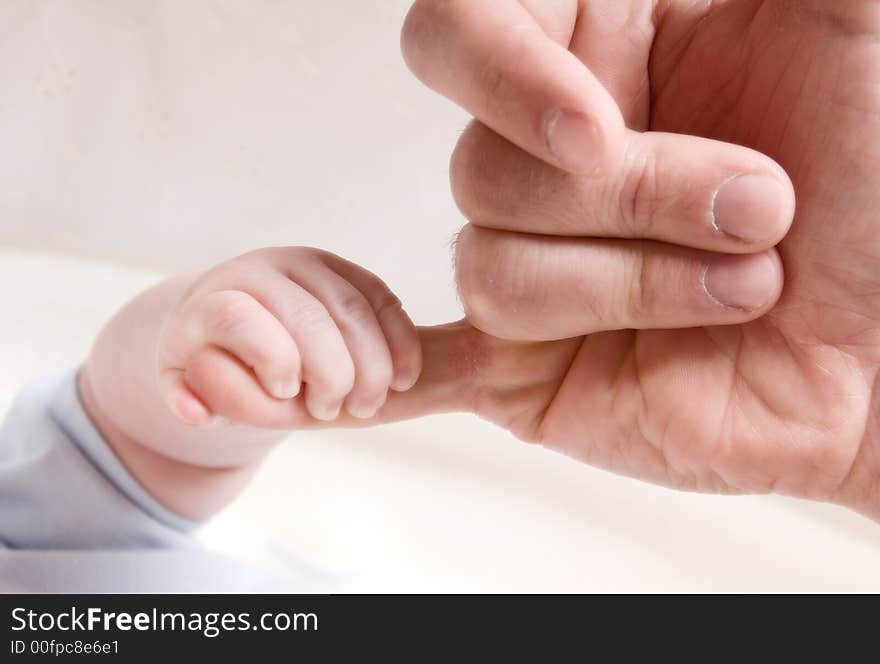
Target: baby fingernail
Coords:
[(326, 412), (285, 389), (575, 140), (190, 411), (361, 411), (365, 411), (403, 380), (742, 282), (749, 207)]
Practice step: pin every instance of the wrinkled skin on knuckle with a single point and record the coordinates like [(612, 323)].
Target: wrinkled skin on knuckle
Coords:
[(474, 280), (475, 292), (498, 288), (497, 184), (468, 172)]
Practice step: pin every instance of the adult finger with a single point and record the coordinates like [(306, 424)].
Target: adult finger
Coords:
[(519, 286), (680, 189), (465, 370), (506, 382), (494, 59)]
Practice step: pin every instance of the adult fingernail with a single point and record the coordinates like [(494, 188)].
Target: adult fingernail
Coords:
[(742, 282), (749, 207), (575, 140)]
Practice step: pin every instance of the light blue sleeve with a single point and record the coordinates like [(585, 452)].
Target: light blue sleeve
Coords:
[(72, 519), (61, 487)]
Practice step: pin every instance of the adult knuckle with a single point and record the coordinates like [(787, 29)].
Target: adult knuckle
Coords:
[(493, 291), (493, 181), (468, 173), (470, 275), (424, 23)]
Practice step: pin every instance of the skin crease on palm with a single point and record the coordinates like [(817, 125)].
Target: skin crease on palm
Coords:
[(786, 403)]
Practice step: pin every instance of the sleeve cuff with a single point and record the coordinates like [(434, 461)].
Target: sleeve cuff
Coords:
[(66, 410)]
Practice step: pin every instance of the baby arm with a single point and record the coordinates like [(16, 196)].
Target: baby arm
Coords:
[(192, 382)]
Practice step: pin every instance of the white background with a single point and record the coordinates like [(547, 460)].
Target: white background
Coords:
[(142, 137)]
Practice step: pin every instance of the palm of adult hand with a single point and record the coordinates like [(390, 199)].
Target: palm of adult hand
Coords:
[(786, 403)]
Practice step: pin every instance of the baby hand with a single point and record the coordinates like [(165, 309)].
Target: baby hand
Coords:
[(279, 336)]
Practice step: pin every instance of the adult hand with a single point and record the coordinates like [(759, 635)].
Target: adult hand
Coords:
[(587, 220)]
